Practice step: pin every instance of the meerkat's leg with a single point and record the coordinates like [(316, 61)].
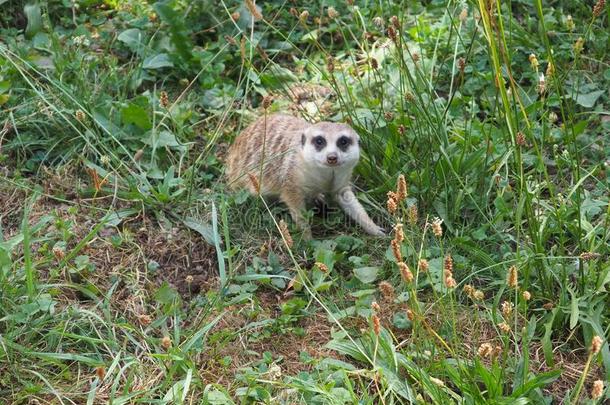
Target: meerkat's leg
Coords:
[(350, 204), (296, 204)]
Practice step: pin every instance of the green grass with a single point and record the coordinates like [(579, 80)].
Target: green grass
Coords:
[(129, 274)]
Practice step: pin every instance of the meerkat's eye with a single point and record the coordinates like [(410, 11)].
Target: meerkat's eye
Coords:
[(344, 142), (319, 142)]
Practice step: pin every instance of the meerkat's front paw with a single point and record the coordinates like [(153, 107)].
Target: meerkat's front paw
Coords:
[(377, 231)]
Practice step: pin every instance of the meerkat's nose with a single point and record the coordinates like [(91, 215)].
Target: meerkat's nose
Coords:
[(331, 158)]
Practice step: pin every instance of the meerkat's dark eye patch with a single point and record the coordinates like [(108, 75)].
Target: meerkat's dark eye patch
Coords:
[(318, 142), (344, 143)]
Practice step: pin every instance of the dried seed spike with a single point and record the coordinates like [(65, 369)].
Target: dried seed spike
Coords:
[(253, 10), (597, 390), (405, 272), (598, 8), (376, 324), (387, 290), (401, 188), (437, 230), (596, 344), (166, 342), (396, 250), (512, 279)]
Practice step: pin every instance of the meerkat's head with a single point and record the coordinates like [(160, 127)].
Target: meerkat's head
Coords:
[(328, 144)]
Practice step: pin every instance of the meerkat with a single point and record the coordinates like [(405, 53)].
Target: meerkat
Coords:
[(285, 156)]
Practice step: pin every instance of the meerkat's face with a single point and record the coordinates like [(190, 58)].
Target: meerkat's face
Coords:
[(330, 145)]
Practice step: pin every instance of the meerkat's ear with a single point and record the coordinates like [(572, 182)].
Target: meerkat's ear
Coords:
[(303, 139)]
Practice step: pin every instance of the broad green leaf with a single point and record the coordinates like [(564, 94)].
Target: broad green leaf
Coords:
[(366, 274), (33, 14), (588, 100), (157, 61), (133, 38), (137, 115), (202, 229)]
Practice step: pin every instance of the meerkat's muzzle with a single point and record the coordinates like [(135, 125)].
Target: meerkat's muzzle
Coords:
[(332, 159)]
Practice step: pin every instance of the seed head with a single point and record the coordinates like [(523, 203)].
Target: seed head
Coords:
[(163, 99), (378, 21), (597, 390), (402, 129), (504, 327), (548, 306), (468, 290), (485, 350), (267, 101), (395, 22), (409, 97), (392, 206), (388, 116), (511, 280), (374, 63), (405, 272), (589, 256), (423, 265), (392, 33), (448, 265), (235, 15), (534, 62), (189, 279), (410, 315), (399, 234), (415, 57), (521, 141), (553, 117), (526, 295), (138, 155), (144, 320), (437, 230), (304, 16), (375, 306), (253, 10), (166, 342), (286, 233), (58, 252), (598, 8), (323, 268), (461, 62), (100, 372), (550, 70), (412, 214), (401, 188), (450, 282), (596, 344), (332, 13), (541, 84), (478, 295), (396, 250), (376, 324), (507, 309), (80, 116), (579, 45), (570, 23), (387, 290)]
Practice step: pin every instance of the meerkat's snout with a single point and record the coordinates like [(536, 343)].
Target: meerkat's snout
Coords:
[(332, 158)]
